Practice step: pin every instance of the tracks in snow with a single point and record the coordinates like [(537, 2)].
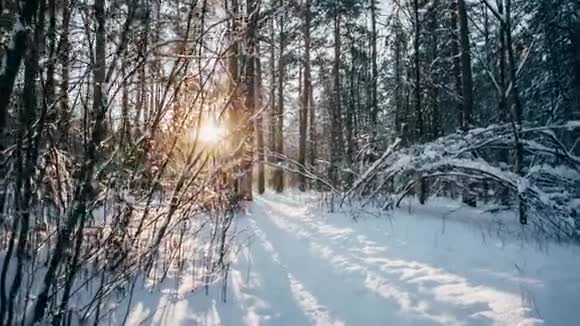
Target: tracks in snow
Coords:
[(304, 271), (284, 299)]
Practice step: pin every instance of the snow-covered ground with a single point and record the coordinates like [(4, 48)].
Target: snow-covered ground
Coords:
[(441, 264)]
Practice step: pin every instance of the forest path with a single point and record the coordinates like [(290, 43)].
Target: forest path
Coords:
[(439, 264), (315, 268)]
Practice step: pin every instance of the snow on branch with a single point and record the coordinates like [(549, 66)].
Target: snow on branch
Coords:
[(548, 185)]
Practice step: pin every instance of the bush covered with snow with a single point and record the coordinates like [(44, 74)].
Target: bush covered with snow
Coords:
[(547, 186)]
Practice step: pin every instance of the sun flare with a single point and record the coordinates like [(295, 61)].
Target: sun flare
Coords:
[(211, 133)]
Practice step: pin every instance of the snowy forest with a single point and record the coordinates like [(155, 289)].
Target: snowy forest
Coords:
[(279, 162)]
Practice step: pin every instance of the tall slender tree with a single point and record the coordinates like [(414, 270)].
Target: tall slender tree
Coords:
[(259, 123), (466, 75), (336, 133), (282, 39), (306, 96), (374, 70)]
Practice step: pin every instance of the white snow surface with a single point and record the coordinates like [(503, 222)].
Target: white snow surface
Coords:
[(441, 264)]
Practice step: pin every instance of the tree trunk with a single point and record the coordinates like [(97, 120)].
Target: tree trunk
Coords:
[(235, 114), (13, 59), (279, 172), (337, 142), (576, 109), (399, 120), (125, 137), (466, 120), (64, 48), (272, 106), (305, 108), (435, 73), (516, 109), (313, 141), (419, 130), (25, 162), (502, 99), (418, 108), (250, 105), (576, 60), (51, 62), (456, 54), (502, 69), (374, 69), (466, 75), (350, 112), (99, 97), (259, 124)]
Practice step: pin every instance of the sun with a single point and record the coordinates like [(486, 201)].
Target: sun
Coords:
[(211, 133)]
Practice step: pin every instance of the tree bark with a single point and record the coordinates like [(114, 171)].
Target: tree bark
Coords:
[(516, 109), (466, 120), (435, 72), (25, 161), (419, 130), (502, 68), (466, 75), (260, 124), (350, 112), (305, 108), (576, 60), (272, 106), (337, 141), (236, 114), (63, 53), (13, 59), (279, 172), (456, 55), (51, 62), (374, 69), (398, 53), (250, 105), (576, 109), (312, 135)]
